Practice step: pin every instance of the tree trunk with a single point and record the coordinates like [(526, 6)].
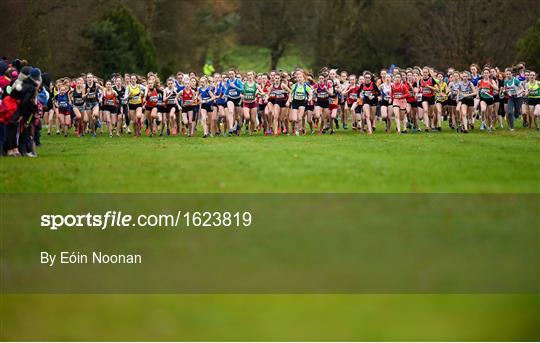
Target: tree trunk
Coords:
[(275, 55)]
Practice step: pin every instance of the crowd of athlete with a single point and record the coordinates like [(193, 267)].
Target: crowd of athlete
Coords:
[(412, 99)]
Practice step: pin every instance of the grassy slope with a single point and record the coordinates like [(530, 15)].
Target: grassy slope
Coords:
[(245, 58), (344, 162), (447, 162)]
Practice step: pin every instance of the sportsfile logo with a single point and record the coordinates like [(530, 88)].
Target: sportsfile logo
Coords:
[(89, 220), (118, 219)]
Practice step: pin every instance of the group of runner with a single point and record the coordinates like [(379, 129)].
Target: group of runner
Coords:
[(413, 99)]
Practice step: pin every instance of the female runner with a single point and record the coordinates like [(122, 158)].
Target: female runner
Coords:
[(453, 90), (386, 106), (369, 93), (487, 87), (169, 98), (249, 101), (533, 100), (277, 102), (322, 90), (77, 96), (135, 93), (427, 87), (301, 93), (467, 92), (122, 118), (441, 100), (92, 104), (151, 105), (62, 107), (206, 97), (351, 100), (233, 89), (512, 91), (187, 97), (221, 104), (399, 94), (110, 105)]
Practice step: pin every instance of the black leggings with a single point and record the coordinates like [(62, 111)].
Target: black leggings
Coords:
[(11, 136)]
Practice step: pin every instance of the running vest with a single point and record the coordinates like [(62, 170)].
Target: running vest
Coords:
[(301, 93), (322, 91), (485, 89), (231, 90), (533, 88), (367, 91), (386, 91), (77, 98), (250, 91), (465, 88), (171, 99), (91, 95), (426, 91), (63, 101), (205, 94), (134, 95), (440, 93), (187, 97), (511, 87), (277, 93), (152, 98), (352, 96), (454, 90), (120, 92), (399, 90), (109, 99)]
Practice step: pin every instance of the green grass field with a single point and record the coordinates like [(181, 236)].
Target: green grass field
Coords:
[(345, 162), (271, 317)]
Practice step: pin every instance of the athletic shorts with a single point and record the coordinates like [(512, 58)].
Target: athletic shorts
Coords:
[(149, 108), (533, 101), (296, 104), (169, 107), (469, 101), (161, 109), (221, 102), (186, 109), (64, 111), (401, 103), (497, 98), (236, 102), (90, 105), (443, 103), (133, 107), (262, 107), (333, 106), (488, 101), (385, 102), (451, 102), (79, 107), (249, 105), (50, 105), (310, 107), (371, 102), (414, 104), (207, 106), (429, 99), (280, 102), (109, 108), (324, 103)]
